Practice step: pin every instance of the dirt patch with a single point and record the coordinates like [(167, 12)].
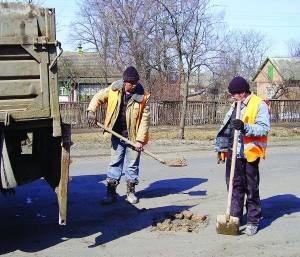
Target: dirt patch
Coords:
[(180, 162), (185, 221)]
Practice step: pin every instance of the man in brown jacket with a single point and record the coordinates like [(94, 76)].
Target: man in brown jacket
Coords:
[(128, 114)]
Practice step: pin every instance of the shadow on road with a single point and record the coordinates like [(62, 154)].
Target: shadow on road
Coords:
[(32, 226), (172, 186), (276, 206)]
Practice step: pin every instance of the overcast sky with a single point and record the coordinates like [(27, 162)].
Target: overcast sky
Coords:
[(277, 19)]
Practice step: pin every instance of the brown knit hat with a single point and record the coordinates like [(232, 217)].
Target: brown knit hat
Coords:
[(238, 84)]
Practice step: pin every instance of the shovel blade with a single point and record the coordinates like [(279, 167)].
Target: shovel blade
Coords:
[(228, 227)]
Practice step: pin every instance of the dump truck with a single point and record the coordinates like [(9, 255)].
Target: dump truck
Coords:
[(29, 106)]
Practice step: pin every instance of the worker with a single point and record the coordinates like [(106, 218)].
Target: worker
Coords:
[(253, 126), (128, 114)]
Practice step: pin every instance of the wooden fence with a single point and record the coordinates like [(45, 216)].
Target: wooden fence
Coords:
[(168, 112)]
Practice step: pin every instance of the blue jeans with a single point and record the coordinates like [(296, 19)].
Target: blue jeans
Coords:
[(120, 152)]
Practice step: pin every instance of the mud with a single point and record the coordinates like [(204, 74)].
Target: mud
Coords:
[(185, 221), (181, 162)]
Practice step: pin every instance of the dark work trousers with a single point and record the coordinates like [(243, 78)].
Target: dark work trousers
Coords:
[(245, 182)]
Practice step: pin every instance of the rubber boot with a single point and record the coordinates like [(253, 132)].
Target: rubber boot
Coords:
[(131, 193), (111, 194)]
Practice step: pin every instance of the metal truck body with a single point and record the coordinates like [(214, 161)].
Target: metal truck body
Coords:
[(29, 107)]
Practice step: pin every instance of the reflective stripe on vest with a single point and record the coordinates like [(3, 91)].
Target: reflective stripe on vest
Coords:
[(254, 147), (111, 104), (139, 117)]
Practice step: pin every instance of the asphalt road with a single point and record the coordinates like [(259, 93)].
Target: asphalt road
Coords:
[(29, 220)]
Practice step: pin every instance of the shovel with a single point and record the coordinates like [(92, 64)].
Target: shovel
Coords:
[(172, 163), (226, 224)]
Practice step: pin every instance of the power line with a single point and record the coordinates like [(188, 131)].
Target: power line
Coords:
[(265, 26)]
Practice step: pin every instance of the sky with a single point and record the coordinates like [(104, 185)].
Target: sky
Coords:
[(277, 19)]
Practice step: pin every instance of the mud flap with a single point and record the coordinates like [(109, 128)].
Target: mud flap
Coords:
[(62, 189), (8, 180)]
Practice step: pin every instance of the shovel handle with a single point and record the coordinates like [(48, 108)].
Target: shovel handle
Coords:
[(129, 142), (233, 160)]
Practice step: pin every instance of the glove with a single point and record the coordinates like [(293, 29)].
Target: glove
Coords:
[(91, 118), (221, 157), (238, 124)]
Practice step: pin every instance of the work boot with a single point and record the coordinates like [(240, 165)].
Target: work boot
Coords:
[(111, 194), (131, 193)]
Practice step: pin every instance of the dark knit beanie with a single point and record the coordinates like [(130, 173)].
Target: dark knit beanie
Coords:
[(131, 74), (237, 85)]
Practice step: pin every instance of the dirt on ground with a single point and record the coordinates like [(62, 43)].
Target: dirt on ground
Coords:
[(198, 140), (178, 207), (185, 221)]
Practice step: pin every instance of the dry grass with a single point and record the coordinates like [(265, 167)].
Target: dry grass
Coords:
[(284, 132), (191, 133)]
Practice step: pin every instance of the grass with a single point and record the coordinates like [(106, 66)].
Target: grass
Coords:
[(191, 133)]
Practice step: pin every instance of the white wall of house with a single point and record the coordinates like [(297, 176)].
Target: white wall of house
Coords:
[(63, 98)]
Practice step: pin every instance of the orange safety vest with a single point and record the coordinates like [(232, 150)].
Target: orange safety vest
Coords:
[(139, 117), (254, 147), (111, 105)]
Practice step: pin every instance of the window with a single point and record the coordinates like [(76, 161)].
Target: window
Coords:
[(270, 73), (63, 91), (191, 90), (270, 92), (90, 89)]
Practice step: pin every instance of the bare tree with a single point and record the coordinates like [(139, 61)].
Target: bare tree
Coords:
[(194, 31), (293, 46), (242, 56), (34, 2), (91, 33), (155, 36), (116, 29), (67, 73)]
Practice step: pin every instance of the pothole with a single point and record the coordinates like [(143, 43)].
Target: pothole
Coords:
[(185, 221)]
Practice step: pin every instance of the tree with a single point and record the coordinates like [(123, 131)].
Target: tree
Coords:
[(34, 2), (170, 42), (196, 41), (116, 29), (129, 33), (243, 53), (293, 46)]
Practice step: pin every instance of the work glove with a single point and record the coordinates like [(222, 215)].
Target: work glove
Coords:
[(221, 157), (238, 124), (91, 118)]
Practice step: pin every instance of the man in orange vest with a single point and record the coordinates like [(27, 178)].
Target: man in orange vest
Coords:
[(253, 126), (128, 114)]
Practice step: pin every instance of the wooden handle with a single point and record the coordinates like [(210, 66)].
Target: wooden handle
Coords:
[(233, 160), (129, 142)]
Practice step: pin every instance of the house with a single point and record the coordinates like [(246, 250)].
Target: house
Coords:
[(278, 78), (199, 84), (82, 74)]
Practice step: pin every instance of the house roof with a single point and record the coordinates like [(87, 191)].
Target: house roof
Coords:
[(288, 68), (85, 68)]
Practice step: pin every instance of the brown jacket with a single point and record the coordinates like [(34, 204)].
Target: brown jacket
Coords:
[(138, 121)]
